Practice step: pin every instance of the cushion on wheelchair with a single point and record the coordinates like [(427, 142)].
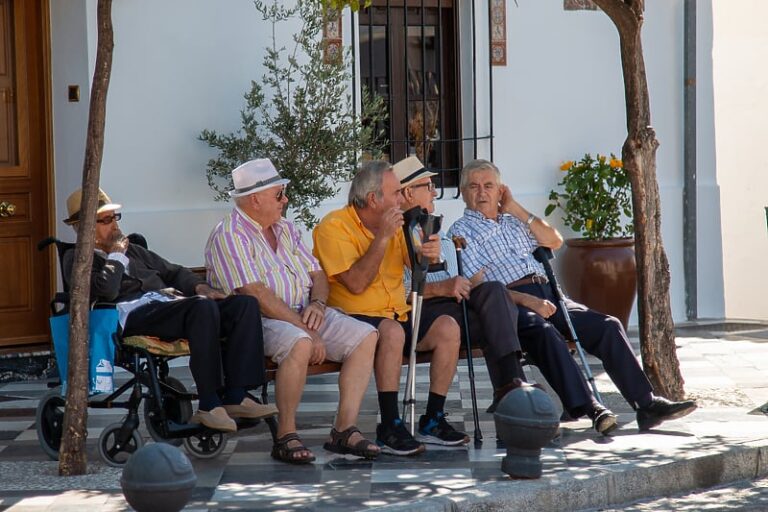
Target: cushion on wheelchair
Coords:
[(158, 347)]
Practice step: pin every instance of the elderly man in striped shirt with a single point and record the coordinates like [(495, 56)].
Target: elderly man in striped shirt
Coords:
[(255, 251)]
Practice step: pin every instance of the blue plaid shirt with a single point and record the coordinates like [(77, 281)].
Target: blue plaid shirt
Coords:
[(503, 247)]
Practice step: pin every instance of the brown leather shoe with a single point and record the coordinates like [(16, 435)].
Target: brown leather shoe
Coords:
[(250, 409), (216, 419)]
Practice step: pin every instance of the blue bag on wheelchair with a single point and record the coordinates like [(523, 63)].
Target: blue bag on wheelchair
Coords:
[(101, 351)]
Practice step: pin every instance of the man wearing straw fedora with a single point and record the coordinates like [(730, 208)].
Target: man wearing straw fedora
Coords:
[(255, 251), (362, 249), (138, 281), (492, 314)]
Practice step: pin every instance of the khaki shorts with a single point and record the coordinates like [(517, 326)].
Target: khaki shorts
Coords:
[(341, 333)]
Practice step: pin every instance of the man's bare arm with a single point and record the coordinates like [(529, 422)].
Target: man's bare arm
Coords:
[(270, 304), (546, 235), (362, 272), (541, 307)]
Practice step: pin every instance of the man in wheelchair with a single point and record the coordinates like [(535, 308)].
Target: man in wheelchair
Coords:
[(157, 298)]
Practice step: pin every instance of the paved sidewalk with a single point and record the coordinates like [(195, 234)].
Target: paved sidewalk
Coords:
[(725, 440)]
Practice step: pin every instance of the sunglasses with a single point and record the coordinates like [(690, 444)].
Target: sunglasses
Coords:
[(280, 193), (110, 219)]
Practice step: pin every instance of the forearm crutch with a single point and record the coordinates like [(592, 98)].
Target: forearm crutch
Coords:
[(460, 244), (429, 224), (543, 255)]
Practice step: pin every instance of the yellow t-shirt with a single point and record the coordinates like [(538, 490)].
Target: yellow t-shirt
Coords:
[(340, 240)]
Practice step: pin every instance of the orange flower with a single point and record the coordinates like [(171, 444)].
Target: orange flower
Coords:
[(566, 165), (616, 163)]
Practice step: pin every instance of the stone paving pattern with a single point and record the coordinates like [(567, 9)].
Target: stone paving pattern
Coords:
[(723, 368)]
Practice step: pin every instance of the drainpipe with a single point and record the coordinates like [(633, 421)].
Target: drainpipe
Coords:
[(689, 160)]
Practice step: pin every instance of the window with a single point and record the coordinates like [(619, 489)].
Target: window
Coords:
[(408, 55)]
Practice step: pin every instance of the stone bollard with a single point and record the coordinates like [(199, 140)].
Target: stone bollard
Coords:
[(526, 420), (158, 478)]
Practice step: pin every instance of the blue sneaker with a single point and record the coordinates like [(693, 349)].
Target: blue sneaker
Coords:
[(396, 440), (439, 431)]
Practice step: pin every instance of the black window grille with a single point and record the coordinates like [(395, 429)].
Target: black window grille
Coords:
[(410, 54)]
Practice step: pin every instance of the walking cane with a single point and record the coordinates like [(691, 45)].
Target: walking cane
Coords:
[(543, 255), (460, 244), (429, 224)]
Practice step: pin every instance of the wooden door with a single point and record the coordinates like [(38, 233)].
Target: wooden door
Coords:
[(25, 275)]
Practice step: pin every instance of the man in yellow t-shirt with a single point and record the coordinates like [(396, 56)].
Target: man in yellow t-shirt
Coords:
[(362, 249)]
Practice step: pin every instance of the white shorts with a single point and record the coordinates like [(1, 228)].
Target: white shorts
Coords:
[(341, 334)]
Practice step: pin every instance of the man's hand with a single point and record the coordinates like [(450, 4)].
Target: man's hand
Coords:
[(318, 348), (541, 307), (391, 221), (459, 288), (206, 290), (118, 243), (313, 316), (477, 278), (431, 249)]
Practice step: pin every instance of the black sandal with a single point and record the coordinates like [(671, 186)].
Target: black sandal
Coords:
[(284, 453), (339, 443)]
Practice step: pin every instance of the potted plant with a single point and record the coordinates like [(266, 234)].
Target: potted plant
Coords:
[(598, 269)]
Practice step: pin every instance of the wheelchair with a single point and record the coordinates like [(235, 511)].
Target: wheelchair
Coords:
[(167, 403)]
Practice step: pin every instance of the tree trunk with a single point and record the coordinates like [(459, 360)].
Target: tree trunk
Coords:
[(72, 455), (657, 334)]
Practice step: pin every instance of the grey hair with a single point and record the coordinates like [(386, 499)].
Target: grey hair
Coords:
[(478, 165), (368, 179)]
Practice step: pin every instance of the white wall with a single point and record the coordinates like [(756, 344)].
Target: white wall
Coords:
[(740, 51), (183, 65), (179, 66), (711, 302), (561, 95), (69, 66)]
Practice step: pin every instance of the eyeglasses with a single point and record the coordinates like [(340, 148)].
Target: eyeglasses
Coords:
[(280, 193), (430, 186), (110, 219)]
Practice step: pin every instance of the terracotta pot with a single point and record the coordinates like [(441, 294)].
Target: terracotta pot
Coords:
[(600, 274)]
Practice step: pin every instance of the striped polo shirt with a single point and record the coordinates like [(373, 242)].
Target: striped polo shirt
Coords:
[(237, 253)]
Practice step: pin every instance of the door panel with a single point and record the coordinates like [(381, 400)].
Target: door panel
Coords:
[(25, 276)]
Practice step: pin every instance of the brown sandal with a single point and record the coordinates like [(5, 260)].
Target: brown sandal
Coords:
[(284, 453), (339, 443)]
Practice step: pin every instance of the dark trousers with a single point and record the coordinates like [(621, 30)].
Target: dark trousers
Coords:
[(600, 335), (492, 327), (203, 322)]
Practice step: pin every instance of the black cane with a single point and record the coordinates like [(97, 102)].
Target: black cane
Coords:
[(459, 243), (543, 255)]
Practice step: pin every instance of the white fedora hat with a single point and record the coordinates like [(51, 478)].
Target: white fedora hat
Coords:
[(255, 176), (411, 169)]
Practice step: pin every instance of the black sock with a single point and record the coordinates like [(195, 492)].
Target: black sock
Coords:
[(388, 407), (435, 404), (645, 401), (209, 401), (234, 396)]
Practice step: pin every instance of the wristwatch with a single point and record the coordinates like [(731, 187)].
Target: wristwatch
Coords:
[(530, 219)]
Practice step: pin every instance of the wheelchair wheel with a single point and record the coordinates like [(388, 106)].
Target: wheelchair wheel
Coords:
[(206, 445), (176, 409), (49, 422), (109, 451)]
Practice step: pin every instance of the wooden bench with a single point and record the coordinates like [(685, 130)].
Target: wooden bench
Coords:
[(333, 367)]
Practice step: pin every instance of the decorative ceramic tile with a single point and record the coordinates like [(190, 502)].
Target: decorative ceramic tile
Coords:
[(332, 38), (498, 13), (579, 5)]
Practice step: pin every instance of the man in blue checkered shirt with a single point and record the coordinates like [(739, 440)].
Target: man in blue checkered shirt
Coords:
[(501, 236), (491, 313)]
